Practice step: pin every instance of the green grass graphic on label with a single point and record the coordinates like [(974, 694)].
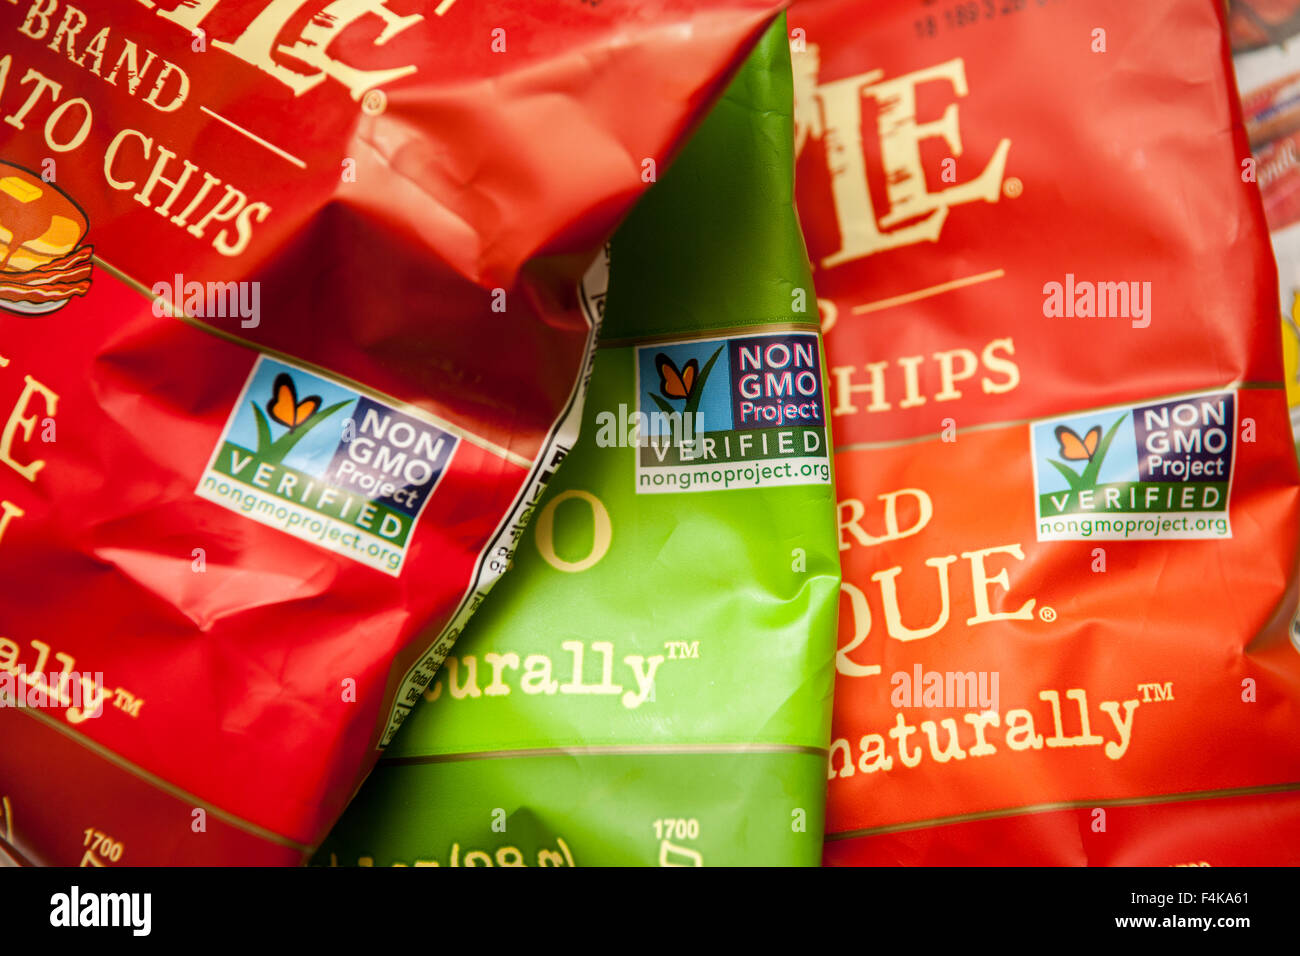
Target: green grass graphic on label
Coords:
[(687, 382), (1087, 448), (299, 417)]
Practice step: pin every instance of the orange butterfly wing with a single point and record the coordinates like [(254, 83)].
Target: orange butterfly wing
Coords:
[(1074, 448), (283, 405), (688, 375), (670, 380), (306, 409)]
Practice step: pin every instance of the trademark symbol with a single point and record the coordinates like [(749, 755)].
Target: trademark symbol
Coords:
[(1048, 614), (1156, 692), (374, 102), (1012, 187), (682, 650)]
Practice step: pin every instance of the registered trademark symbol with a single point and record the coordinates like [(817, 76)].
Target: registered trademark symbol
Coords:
[(1048, 614), (374, 102), (1012, 187)]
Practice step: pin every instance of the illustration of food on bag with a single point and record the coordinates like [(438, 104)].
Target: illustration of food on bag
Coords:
[(740, 412), (42, 261)]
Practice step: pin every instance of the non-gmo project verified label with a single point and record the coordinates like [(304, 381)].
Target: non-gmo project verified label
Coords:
[(1156, 470), (739, 412), (324, 463)]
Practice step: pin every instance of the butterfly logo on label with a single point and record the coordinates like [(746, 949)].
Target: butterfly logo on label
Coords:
[(1074, 448), (685, 383), (284, 406), (675, 382), (1091, 449)]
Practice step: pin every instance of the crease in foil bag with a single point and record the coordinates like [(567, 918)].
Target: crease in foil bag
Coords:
[(650, 684), (295, 313), (1067, 493)]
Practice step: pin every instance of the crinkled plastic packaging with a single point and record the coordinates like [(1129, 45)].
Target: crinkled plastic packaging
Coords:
[(650, 684), (1067, 491), (295, 316)]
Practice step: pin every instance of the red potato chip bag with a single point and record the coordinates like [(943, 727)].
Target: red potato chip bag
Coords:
[(1067, 489), (295, 314)]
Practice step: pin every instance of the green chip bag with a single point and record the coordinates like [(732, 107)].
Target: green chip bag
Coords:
[(651, 683)]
